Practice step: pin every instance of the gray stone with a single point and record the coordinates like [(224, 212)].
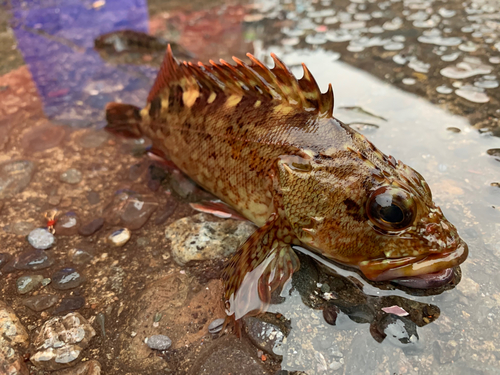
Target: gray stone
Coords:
[(71, 176), (14, 177), (159, 342), (60, 341), (70, 304), (67, 278), (26, 284), (33, 259), (200, 238), (40, 302), (41, 238)]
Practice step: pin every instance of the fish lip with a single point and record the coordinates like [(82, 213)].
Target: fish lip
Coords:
[(378, 270)]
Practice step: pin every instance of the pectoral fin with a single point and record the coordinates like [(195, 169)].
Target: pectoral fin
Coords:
[(263, 264)]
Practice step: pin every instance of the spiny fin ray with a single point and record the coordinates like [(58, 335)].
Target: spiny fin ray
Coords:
[(255, 80)]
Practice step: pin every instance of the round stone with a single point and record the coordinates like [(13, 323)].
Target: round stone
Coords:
[(26, 284), (41, 302), (67, 278), (119, 237), (159, 342), (216, 326), (41, 238), (71, 176)]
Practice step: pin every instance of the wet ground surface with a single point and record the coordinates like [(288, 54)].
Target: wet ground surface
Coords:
[(125, 264)]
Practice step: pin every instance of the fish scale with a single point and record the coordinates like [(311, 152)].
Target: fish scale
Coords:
[(268, 146)]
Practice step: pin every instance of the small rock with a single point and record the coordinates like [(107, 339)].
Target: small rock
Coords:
[(445, 352), (468, 287), (67, 224), (60, 342), (12, 331), (41, 238), (67, 278), (22, 228), (216, 326), (33, 259), (199, 238), (264, 335), (330, 314), (78, 256), (159, 342), (70, 304), (119, 237), (71, 176), (91, 367), (41, 302), (91, 227), (130, 209), (26, 284), (14, 177)]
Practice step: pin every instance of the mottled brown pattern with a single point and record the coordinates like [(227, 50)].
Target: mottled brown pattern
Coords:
[(268, 145)]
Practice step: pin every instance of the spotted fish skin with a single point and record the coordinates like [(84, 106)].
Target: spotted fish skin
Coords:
[(268, 145)]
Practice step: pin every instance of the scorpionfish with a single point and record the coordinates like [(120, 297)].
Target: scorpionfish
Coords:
[(267, 144)]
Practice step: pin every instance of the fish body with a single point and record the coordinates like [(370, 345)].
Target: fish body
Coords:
[(269, 146)]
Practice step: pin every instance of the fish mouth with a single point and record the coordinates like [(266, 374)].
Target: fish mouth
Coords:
[(421, 272)]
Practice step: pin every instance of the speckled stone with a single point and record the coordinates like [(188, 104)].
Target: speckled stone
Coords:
[(71, 176), (26, 284), (60, 342), (199, 238), (41, 238), (159, 342)]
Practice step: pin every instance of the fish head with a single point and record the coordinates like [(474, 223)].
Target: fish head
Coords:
[(383, 222)]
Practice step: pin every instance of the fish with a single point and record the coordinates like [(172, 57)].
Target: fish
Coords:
[(268, 145)]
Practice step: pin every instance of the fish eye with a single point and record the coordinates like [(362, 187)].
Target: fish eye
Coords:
[(391, 208)]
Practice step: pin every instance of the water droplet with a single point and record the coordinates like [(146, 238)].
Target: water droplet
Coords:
[(394, 46), (494, 60), (409, 81), (472, 94), (451, 57), (446, 13), (486, 83), (419, 66), (399, 59), (444, 89), (393, 24), (316, 39), (468, 47), (467, 68)]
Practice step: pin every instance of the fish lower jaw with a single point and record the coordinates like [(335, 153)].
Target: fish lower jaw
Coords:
[(417, 272)]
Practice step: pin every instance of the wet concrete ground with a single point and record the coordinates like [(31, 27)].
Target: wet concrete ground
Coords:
[(50, 116)]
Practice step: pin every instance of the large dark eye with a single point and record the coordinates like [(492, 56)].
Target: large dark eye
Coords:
[(391, 208)]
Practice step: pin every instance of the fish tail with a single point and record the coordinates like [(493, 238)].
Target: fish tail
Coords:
[(123, 120)]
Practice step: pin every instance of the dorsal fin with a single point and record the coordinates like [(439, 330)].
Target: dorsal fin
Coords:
[(242, 79)]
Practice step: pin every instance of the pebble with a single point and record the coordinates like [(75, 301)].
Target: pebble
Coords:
[(91, 367), (60, 341), (198, 238), (330, 314), (42, 138), (216, 326), (71, 176), (91, 227), (159, 342), (264, 335), (26, 284), (14, 177), (78, 256), (67, 278), (67, 225), (93, 197), (119, 237), (70, 304), (33, 259), (41, 302), (41, 238), (130, 209), (22, 228)]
